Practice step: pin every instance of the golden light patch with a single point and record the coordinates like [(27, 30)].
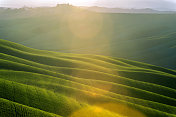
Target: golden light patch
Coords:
[(98, 110), (94, 94), (93, 111), (121, 109)]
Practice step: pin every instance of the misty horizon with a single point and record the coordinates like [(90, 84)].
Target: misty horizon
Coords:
[(161, 5)]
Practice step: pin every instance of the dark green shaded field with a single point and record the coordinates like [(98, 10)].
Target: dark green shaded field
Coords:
[(48, 84)]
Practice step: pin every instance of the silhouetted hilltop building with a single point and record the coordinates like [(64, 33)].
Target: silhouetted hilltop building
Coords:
[(64, 5)]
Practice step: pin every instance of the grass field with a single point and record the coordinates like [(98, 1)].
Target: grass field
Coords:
[(40, 83), (148, 38)]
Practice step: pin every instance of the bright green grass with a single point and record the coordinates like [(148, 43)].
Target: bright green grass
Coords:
[(38, 98), (83, 80), (13, 109), (57, 85)]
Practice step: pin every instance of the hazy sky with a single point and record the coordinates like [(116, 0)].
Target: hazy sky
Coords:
[(155, 4)]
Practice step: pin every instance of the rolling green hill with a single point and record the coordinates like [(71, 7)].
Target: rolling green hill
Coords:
[(40, 83), (148, 38)]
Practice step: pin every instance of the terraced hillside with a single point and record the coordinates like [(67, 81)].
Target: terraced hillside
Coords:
[(37, 83), (148, 38)]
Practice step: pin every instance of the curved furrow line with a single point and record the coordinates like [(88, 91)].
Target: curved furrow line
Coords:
[(84, 59), (86, 95), (140, 64), (38, 98), (101, 78), (112, 71), (114, 95), (101, 98), (55, 54), (80, 72), (13, 109), (74, 72), (51, 60), (81, 64), (87, 78)]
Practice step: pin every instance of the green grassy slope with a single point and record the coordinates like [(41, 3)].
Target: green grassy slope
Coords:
[(148, 38), (12, 109), (45, 83)]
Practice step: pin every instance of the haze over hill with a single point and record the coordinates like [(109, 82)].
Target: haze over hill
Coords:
[(123, 10), (147, 38), (163, 5)]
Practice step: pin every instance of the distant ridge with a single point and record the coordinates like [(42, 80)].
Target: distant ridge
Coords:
[(102, 9), (122, 10)]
